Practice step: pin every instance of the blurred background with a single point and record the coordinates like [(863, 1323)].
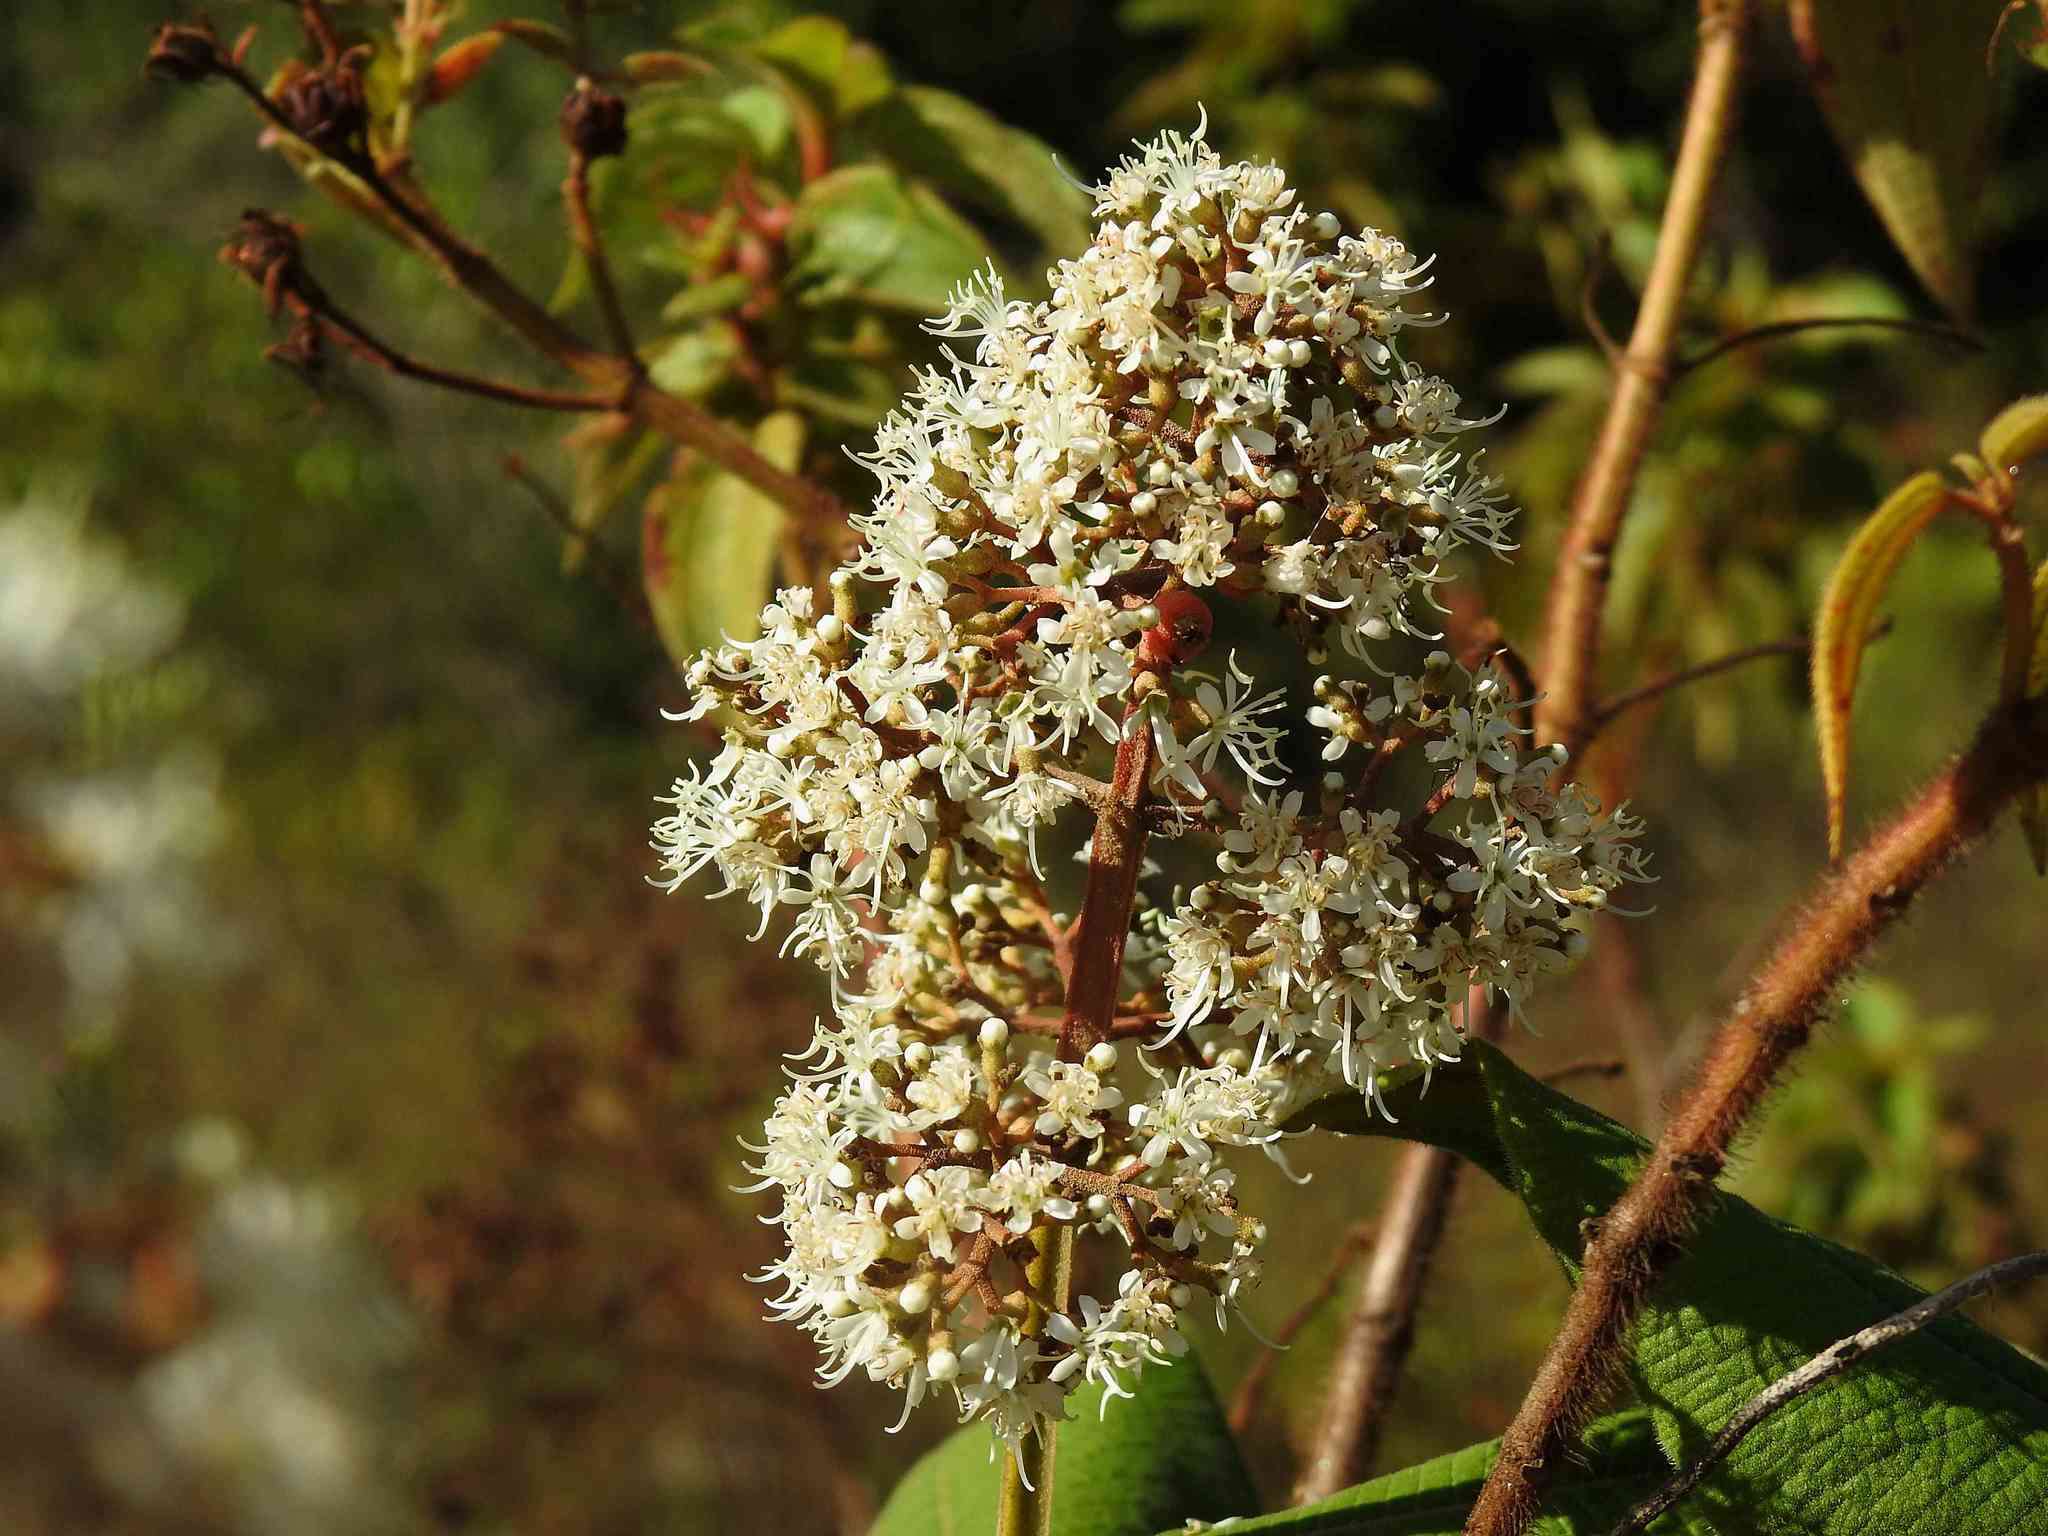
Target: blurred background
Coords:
[(367, 1123)]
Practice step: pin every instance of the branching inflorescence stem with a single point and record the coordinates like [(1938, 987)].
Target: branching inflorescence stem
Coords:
[(1115, 855)]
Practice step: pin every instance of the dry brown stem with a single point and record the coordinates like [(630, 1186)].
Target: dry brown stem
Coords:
[(1373, 1349), (1642, 380)]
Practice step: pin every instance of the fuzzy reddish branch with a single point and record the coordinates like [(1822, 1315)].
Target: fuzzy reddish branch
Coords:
[(1821, 939)]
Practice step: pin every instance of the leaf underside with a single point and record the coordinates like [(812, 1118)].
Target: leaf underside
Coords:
[(1847, 608)]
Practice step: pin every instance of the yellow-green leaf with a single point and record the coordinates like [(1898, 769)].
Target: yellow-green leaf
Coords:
[(1846, 610), (661, 68), (540, 37), (709, 546), (459, 65), (1903, 85), (2016, 434)]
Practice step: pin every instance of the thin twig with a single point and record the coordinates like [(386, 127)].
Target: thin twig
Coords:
[(1244, 1404), (1825, 1366), (1597, 267), (1778, 328), (1615, 972), (476, 275), (624, 590), (1591, 1066), (1853, 905), (583, 230), (351, 333), (464, 265), (1642, 380), (1373, 1349), (1607, 709)]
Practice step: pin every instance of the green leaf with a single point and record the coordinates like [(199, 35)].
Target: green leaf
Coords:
[(1941, 1434), (851, 75), (1622, 1466), (865, 235), (1162, 1458), (1846, 610), (1904, 87), (981, 161), (696, 362), (2016, 434), (763, 112), (662, 68), (709, 543)]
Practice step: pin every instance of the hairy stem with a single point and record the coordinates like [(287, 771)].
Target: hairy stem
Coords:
[(1244, 1405), (1373, 1349), (1643, 379), (1820, 939)]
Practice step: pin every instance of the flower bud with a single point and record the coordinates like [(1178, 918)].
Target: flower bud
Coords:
[(183, 53), (915, 1297), (594, 122), (1100, 1058), (326, 108)]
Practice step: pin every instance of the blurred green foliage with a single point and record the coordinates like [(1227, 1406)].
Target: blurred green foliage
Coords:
[(448, 994)]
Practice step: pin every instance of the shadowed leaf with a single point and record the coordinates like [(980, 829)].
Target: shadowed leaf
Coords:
[(1846, 610), (662, 68), (1903, 85), (1621, 1465), (2034, 804), (982, 162), (1162, 1458)]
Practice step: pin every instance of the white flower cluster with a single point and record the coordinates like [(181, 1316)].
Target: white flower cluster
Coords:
[(1212, 407)]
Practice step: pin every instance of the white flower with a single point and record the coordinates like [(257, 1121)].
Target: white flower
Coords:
[(943, 1203), (1060, 510), (1023, 1187), (1071, 1097)]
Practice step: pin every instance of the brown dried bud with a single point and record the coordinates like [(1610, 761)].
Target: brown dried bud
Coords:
[(183, 53), (594, 122), (304, 351), (265, 249), (326, 107)]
